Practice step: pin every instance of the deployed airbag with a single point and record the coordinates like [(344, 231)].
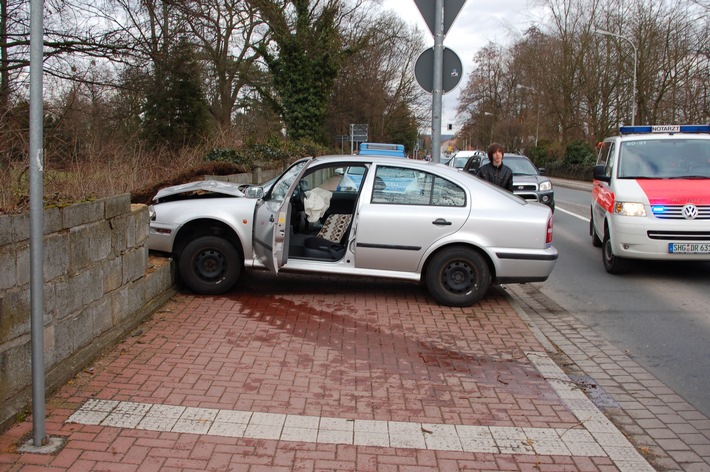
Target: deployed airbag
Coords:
[(316, 203)]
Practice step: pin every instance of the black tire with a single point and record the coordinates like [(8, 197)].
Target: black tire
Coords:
[(458, 277), (210, 265), (613, 264), (596, 242)]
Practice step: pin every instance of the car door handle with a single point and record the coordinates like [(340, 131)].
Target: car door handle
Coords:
[(271, 219), (441, 222)]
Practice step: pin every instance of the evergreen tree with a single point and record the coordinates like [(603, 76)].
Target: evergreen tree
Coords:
[(304, 65), (176, 112)]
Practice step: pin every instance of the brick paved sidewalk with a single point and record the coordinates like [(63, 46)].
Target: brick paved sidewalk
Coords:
[(316, 373)]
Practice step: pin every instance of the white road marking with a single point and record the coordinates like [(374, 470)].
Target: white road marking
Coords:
[(595, 436)]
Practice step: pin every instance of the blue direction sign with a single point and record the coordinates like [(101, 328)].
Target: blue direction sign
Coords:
[(451, 74), (428, 10)]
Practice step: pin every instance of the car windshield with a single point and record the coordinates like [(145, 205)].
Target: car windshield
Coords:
[(519, 165), (675, 158)]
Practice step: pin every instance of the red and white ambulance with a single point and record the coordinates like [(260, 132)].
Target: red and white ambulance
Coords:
[(651, 195)]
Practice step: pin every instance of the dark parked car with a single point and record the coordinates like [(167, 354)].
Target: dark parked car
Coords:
[(529, 182)]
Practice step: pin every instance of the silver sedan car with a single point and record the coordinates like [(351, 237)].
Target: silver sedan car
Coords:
[(362, 216)]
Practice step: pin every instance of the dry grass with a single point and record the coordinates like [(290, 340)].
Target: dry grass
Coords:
[(105, 174)]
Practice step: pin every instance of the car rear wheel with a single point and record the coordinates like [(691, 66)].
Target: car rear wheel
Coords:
[(612, 263), (210, 265), (458, 277)]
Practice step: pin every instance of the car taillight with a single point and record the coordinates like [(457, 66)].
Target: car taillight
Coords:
[(549, 230)]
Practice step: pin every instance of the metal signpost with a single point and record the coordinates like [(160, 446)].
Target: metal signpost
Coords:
[(39, 437), (439, 15)]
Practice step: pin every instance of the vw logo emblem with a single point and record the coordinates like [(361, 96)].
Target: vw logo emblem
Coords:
[(690, 211)]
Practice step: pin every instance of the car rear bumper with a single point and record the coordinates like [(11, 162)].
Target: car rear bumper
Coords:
[(524, 266)]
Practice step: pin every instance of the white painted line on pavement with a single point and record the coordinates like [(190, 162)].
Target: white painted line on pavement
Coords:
[(567, 212), (595, 436)]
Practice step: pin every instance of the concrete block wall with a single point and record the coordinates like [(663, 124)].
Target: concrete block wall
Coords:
[(257, 176), (98, 286)]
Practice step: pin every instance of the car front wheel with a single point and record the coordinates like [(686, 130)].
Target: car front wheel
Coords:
[(458, 277), (613, 264), (210, 265)]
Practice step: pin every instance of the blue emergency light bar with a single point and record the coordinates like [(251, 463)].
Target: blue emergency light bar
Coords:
[(382, 149), (664, 129)]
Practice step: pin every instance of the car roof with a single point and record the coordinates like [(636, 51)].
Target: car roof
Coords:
[(466, 153), (378, 159), (509, 154), (423, 165)]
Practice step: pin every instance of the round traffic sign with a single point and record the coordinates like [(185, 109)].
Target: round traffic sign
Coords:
[(451, 72)]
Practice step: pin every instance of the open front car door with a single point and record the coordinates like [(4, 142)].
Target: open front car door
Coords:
[(272, 217)]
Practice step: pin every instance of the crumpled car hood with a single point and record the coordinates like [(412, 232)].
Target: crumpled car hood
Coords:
[(202, 186)]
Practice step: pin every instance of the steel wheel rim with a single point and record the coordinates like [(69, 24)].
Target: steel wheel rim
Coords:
[(459, 277), (210, 264)]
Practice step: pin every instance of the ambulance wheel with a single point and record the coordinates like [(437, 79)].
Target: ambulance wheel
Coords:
[(613, 264)]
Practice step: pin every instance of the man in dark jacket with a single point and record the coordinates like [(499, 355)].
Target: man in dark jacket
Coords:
[(495, 171)]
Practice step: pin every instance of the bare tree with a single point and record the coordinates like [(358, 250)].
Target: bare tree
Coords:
[(483, 99), (228, 33), (377, 86)]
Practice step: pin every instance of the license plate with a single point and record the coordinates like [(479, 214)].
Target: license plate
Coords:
[(689, 248)]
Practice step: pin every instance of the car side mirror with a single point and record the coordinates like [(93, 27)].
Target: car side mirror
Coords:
[(541, 170), (599, 173), (254, 191)]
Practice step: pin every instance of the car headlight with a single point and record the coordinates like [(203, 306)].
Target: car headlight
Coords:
[(629, 209), (545, 186), (151, 212)]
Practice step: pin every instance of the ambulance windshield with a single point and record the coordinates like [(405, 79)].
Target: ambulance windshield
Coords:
[(673, 158)]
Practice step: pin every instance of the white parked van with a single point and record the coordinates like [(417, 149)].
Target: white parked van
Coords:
[(651, 195)]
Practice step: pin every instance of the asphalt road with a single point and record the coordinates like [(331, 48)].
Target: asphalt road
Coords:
[(657, 314)]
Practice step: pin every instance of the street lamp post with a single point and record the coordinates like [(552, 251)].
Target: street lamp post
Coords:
[(537, 122), (633, 91)]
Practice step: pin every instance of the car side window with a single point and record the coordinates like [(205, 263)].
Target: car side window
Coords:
[(400, 186), (605, 157), (603, 153), (336, 178), (609, 169)]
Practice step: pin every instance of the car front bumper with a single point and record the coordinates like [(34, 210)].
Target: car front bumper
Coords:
[(649, 238), (547, 198)]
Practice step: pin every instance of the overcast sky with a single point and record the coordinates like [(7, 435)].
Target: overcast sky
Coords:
[(478, 23)]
